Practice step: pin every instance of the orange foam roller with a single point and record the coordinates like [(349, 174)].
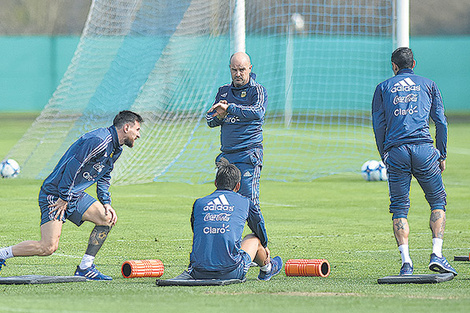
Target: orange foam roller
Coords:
[(142, 268), (307, 267)]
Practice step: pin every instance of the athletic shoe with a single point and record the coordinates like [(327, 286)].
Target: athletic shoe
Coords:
[(276, 266), (91, 273), (2, 263), (406, 269), (440, 265)]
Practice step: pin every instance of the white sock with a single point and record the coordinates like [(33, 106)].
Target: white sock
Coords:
[(437, 246), (87, 261), (405, 254), (266, 268), (6, 253)]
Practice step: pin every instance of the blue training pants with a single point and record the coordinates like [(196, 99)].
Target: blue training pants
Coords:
[(420, 161), (249, 162)]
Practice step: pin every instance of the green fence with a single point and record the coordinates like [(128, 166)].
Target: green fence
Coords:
[(31, 69)]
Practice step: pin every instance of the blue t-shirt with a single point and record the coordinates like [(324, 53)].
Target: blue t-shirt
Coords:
[(88, 160), (401, 108), (241, 129), (218, 221)]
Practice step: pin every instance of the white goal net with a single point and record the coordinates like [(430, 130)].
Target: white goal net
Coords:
[(319, 61)]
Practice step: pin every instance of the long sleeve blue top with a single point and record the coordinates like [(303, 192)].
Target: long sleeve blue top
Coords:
[(217, 221), (241, 129), (88, 160), (401, 108)]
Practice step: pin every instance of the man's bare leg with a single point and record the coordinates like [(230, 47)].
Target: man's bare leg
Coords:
[(401, 230), (50, 234)]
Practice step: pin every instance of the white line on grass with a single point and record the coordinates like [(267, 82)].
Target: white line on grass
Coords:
[(277, 204), (459, 151), (292, 236), (192, 197), (10, 309), (147, 240), (143, 240), (357, 235), (418, 249), (67, 255)]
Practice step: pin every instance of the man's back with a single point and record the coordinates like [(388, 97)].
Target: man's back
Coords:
[(402, 106), (84, 163), (218, 221)]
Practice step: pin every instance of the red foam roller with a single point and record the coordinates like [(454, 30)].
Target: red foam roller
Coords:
[(307, 267), (142, 268)]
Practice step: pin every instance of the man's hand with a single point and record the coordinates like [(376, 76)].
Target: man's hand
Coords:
[(220, 109), (108, 209), (442, 165), (59, 207)]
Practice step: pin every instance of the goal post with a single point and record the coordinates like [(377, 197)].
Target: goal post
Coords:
[(238, 28), (403, 23)]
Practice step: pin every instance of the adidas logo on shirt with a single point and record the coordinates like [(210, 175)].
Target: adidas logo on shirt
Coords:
[(247, 174), (406, 84), (220, 203), (219, 200)]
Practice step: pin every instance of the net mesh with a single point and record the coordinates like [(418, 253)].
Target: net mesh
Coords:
[(319, 61)]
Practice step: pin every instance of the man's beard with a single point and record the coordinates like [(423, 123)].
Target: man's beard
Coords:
[(129, 142)]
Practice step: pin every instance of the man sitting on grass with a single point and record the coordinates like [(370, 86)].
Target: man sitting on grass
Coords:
[(217, 221)]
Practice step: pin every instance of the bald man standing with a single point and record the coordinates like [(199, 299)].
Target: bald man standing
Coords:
[(239, 110)]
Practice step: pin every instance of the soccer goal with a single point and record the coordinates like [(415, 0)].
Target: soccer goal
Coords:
[(319, 61)]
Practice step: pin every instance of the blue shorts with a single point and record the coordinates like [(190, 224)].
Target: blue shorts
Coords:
[(250, 163), (422, 162), (74, 212), (238, 273)]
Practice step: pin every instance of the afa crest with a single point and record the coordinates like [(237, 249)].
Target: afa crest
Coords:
[(243, 94)]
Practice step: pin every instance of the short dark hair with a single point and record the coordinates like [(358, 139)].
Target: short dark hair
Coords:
[(228, 175), (124, 117), (403, 57)]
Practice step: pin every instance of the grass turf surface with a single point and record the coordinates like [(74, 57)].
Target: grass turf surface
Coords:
[(340, 218)]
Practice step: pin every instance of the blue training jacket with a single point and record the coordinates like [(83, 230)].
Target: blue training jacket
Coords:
[(241, 129), (401, 108), (88, 160), (217, 221)]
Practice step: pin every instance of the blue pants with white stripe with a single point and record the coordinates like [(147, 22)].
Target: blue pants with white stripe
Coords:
[(249, 162), (420, 161)]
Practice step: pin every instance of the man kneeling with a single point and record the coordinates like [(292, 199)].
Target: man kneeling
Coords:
[(217, 221)]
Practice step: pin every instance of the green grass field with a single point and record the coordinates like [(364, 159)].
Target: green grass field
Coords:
[(340, 218)]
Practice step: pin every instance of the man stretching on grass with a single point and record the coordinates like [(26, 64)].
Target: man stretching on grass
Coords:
[(88, 160), (401, 108), (217, 221)]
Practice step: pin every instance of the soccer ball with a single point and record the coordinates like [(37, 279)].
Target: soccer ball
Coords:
[(298, 22), (374, 170), (9, 168)]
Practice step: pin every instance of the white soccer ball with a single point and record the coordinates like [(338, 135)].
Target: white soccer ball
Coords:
[(374, 171), (298, 22), (9, 168)]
